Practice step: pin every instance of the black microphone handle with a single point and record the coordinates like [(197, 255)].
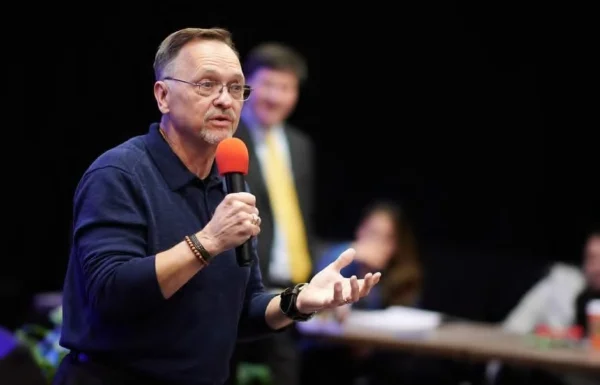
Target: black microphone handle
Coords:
[(235, 183)]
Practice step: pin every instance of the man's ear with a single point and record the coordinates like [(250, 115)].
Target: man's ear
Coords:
[(161, 94)]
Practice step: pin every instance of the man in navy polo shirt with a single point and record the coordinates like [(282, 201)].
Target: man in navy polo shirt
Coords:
[(153, 293)]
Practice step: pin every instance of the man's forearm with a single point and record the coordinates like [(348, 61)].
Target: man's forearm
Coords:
[(176, 266), (274, 316)]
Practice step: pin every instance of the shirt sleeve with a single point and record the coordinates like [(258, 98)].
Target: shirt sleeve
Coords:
[(109, 239), (530, 309), (253, 323)]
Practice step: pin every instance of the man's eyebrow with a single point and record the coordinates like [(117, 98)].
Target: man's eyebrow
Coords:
[(209, 71)]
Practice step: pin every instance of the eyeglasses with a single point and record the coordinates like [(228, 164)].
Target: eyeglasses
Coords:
[(210, 88)]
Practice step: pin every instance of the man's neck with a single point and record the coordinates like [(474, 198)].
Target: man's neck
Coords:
[(196, 155)]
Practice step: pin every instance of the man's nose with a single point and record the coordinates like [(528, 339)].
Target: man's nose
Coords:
[(223, 99)]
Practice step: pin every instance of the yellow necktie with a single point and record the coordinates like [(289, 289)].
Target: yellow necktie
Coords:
[(286, 209)]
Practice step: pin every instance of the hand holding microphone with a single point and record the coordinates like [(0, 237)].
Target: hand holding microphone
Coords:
[(236, 218)]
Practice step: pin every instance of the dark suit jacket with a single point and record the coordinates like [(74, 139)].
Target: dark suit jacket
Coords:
[(302, 159)]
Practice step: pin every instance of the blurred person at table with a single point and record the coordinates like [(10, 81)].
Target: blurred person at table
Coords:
[(281, 176), (384, 240), (591, 269), (558, 301)]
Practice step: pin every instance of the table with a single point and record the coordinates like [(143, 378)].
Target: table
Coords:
[(465, 341)]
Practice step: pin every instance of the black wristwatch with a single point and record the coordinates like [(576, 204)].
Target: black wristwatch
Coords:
[(288, 303)]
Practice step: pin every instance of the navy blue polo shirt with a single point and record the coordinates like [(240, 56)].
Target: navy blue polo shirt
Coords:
[(136, 200)]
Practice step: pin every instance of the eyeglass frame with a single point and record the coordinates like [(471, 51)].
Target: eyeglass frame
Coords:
[(245, 88)]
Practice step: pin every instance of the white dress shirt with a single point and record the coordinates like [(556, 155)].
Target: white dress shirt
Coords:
[(279, 267), (551, 301)]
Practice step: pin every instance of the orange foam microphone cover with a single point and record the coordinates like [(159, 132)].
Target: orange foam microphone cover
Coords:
[(232, 156), (232, 163)]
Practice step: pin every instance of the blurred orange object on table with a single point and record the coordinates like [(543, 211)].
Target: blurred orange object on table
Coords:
[(593, 315), (545, 336)]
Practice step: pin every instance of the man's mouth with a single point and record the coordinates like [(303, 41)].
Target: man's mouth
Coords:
[(221, 118)]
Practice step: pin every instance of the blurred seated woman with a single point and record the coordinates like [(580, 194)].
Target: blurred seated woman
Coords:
[(384, 242)]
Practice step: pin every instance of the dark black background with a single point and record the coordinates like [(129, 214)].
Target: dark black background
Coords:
[(479, 120)]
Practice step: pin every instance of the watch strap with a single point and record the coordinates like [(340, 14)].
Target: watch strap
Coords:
[(288, 303)]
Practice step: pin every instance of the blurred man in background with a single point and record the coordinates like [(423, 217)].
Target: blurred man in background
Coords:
[(281, 177), (558, 301)]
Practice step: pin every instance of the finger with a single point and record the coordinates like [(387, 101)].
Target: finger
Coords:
[(250, 231), (255, 230), (374, 280), (338, 297), (354, 289), (368, 282), (344, 259), (243, 197), (251, 225), (243, 218), (247, 214), (258, 219), (366, 285), (239, 207)]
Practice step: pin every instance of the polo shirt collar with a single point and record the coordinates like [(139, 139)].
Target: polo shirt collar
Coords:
[(170, 166)]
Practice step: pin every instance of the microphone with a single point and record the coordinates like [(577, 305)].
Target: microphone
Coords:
[(232, 162)]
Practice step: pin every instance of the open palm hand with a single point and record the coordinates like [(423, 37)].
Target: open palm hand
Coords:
[(329, 289)]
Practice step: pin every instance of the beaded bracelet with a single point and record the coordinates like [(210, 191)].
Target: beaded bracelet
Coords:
[(199, 251)]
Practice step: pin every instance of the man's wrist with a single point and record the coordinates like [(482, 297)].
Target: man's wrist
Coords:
[(299, 304), (210, 244), (291, 304)]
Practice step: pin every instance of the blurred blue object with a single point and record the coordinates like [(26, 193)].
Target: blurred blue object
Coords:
[(43, 343)]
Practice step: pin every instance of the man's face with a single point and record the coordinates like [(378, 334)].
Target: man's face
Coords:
[(198, 111), (592, 262), (274, 96)]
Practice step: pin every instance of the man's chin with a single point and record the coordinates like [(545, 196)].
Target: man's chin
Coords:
[(216, 136)]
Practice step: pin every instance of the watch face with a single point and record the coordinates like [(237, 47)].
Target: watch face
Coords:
[(286, 301)]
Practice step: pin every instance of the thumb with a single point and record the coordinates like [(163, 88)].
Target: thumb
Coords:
[(344, 259)]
